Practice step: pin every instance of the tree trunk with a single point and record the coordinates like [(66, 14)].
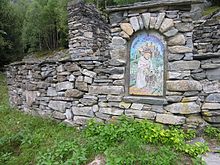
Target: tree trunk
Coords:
[(40, 43), (55, 35), (47, 42)]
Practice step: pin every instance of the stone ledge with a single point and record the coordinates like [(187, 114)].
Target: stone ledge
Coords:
[(145, 100), (22, 63), (153, 3), (206, 56), (63, 60), (98, 58)]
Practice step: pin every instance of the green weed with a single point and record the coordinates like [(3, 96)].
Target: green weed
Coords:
[(212, 132), (103, 136), (210, 10)]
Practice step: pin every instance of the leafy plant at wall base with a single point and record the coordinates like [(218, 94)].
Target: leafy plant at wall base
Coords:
[(212, 132), (198, 161), (107, 135), (190, 134)]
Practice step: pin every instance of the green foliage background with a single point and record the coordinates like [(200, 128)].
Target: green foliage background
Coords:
[(10, 31), (45, 25), (38, 25), (27, 26)]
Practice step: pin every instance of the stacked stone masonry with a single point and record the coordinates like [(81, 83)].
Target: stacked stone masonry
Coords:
[(206, 38), (92, 82)]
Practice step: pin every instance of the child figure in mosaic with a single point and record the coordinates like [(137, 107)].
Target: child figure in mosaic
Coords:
[(145, 68)]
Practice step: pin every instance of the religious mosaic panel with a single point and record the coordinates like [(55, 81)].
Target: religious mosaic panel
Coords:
[(146, 66)]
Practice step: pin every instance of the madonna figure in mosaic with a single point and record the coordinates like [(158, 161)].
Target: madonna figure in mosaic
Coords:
[(146, 66)]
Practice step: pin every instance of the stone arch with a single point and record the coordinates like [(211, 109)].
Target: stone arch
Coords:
[(146, 64), (159, 23), (156, 29)]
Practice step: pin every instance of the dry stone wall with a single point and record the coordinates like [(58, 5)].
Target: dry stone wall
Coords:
[(93, 81), (88, 31), (206, 39)]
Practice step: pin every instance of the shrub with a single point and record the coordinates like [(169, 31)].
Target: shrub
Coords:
[(102, 136)]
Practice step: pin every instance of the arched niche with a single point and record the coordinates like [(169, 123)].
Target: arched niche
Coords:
[(147, 64)]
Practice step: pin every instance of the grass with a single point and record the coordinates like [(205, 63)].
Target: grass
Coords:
[(46, 53), (4, 104), (28, 140), (210, 10)]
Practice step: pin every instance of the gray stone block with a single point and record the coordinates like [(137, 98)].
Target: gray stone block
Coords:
[(83, 111), (71, 67), (166, 25), (134, 23), (51, 91), (211, 158), (81, 120), (213, 98), (199, 76), (119, 53), (124, 105), (152, 22), (114, 98), (183, 65), (118, 41), (170, 33), (146, 20), (179, 49), (212, 120), (116, 17), (190, 99), (175, 57), (69, 114), (184, 85), (211, 86), (111, 111), (57, 105), (60, 68), (174, 99), (213, 74), (106, 90), (183, 108), (137, 106), (178, 39), (64, 86), (159, 21), (88, 80), (58, 115), (211, 106), (145, 100), (102, 116), (178, 75), (89, 73), (140, 21), (31, 97), (170, 119), (184, 27), (141, 114), (82, 86), (88, 102)]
